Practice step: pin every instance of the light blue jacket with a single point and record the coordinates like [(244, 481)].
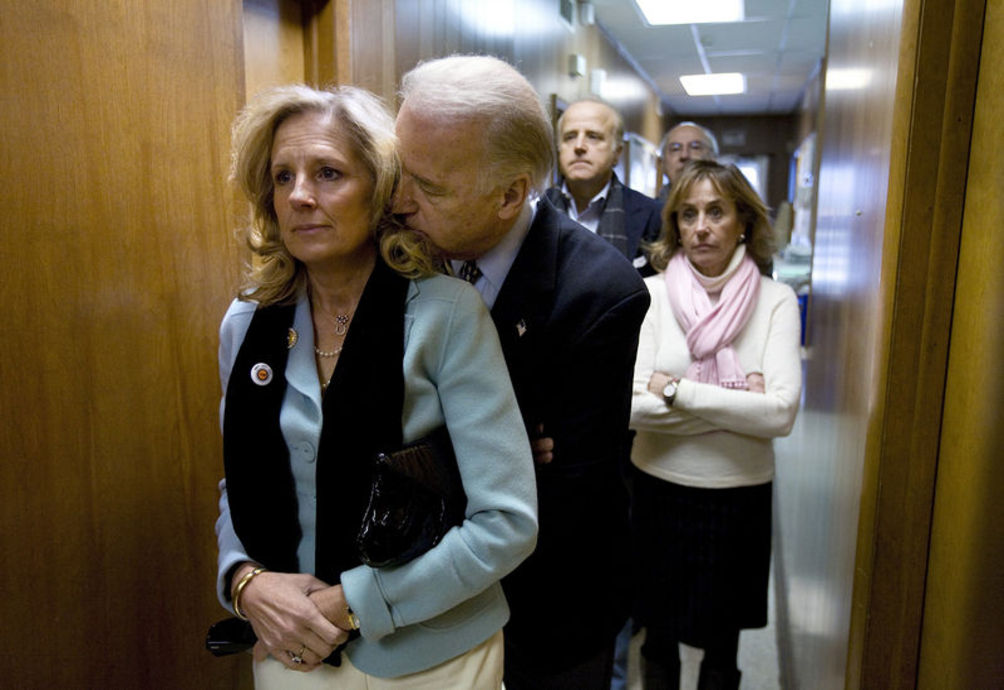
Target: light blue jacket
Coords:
[(448, 600)]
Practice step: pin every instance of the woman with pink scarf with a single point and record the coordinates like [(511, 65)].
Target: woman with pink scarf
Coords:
[(718, 376)]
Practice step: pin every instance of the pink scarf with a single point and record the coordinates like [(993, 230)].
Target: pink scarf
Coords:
[(711, 329)]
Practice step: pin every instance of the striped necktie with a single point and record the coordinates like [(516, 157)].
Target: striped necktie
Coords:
[(469, 271)]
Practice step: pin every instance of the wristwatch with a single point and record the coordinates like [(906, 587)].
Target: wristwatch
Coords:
[(669, 392)]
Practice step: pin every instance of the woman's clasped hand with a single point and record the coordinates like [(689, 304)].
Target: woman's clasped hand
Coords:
[(293, 616)]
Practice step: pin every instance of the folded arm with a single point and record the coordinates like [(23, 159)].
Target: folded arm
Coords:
[(767, 409)]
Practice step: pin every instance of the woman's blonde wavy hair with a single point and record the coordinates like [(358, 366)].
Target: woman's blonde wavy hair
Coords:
[(363, 122), (731, 184)]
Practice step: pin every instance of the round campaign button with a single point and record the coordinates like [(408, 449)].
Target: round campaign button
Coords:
[(261, 374)]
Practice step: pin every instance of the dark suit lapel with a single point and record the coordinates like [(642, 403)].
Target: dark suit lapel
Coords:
[(634, 225), (526, 291), (523, 306)]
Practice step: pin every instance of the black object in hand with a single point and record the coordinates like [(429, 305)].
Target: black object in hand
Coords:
[(229, 636), (416, 496)]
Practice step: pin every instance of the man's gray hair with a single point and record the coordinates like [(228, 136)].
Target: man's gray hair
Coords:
[(708, 135), (486, 90)]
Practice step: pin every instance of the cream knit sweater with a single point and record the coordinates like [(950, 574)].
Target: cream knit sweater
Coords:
[(713, 437)]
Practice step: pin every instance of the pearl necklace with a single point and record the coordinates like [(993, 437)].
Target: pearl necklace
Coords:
[(341, 328)]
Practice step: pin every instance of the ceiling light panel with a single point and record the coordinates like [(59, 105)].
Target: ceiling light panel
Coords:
[(661, 12), (713, 84)]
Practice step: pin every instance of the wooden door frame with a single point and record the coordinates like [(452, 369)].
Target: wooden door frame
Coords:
[(933, 119)]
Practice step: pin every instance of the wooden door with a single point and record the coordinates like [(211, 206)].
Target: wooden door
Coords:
[(117, 263), (962, 644)]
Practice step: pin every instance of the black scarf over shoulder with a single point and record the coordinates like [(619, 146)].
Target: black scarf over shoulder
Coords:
[(362, 416), (612, 220)]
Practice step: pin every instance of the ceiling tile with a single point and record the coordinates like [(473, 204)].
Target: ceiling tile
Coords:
[(760, 35), (799, 61), (778, 48), (762, 63), (817, 9), (766, 8), (807, 34)]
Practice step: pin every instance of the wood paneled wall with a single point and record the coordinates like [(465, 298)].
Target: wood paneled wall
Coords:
[(857, 479), (117, 264), (963, 633), (820, 466), (275, 52), (529, 34), (371, 43), (938, 66)]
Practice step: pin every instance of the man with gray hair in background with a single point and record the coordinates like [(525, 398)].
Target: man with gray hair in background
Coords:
[(684, 142), (476, 146)]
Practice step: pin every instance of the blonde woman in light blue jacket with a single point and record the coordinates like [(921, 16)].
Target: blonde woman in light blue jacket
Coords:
[(343, 343)]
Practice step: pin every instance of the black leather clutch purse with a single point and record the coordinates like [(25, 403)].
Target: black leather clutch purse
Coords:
[(416, 496), (233, 635), (230, 636)]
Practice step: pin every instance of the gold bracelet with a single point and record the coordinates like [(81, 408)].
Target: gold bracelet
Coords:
[(239, 589), (353, 619)]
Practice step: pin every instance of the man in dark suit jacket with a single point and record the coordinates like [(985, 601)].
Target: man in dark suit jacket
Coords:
[(590, 141), (475, 144)]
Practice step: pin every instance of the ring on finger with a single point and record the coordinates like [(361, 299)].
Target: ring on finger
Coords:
[(298, 657)]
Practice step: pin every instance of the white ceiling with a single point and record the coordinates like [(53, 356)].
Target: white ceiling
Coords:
[(778, 48)]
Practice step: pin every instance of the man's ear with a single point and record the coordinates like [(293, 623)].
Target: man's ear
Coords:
[(514, 196), (617, 153)]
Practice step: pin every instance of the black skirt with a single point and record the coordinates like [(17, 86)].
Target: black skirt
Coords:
[(702, 557)]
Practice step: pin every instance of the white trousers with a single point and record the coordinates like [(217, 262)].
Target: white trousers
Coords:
[(477, 669)]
